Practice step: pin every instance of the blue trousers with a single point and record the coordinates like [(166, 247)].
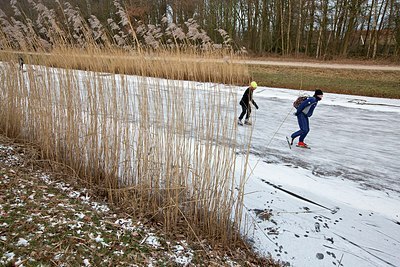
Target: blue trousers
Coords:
[(302, 119)]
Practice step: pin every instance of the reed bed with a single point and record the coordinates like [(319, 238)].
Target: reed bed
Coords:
[(164, 64), (166, 148), (118, 45)]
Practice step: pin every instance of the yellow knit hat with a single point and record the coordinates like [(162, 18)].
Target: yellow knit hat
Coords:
[(253, 84)]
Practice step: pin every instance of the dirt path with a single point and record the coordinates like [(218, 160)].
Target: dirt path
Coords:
[(321, 65)]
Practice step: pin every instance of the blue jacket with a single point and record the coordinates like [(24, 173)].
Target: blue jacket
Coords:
[(307, 106)]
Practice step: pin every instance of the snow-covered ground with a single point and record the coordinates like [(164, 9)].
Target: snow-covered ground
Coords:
[(337, 203)]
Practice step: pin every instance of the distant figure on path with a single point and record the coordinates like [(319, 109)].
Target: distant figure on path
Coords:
[(304, 111), (245, 103), (21, 63)]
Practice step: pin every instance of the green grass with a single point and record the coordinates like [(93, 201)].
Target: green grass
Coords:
[(354, 82)]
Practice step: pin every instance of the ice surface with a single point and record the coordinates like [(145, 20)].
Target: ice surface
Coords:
[(350, 175)]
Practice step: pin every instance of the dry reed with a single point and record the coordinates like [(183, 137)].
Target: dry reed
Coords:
[(165, 147)]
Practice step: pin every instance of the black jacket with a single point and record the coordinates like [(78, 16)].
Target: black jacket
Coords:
[(247, 97)]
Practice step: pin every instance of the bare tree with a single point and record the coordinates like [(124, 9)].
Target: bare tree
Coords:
[(325, 28)]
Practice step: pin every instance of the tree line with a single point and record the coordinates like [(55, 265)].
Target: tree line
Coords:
[(322, 29)]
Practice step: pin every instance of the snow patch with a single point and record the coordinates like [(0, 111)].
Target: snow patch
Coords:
[(152, 240), (22, 242), (7, 257), (182, 255), (86, 263)]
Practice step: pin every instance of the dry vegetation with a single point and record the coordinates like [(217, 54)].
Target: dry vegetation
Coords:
[(163, 148), (164, 64), (48, 219), (121, 46)]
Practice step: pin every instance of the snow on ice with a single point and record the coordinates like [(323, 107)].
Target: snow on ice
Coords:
[(336, 204)]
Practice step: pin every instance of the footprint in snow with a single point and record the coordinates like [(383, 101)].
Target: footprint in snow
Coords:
[(331, 254), (330, 239), (317, 227)]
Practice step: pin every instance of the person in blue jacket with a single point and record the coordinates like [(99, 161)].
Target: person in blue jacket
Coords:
[(304, 111), (245, 103)]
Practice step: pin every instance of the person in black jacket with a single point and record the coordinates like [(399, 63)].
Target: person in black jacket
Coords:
[(245, 103)]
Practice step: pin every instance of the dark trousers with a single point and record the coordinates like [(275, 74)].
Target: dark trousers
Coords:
[(302, 119), (245, 109)]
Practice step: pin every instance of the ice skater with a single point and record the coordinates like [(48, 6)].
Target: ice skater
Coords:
[(245, 103), (305, 111), (21, 63)]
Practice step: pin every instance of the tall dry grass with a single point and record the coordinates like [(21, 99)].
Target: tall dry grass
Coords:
[(165, 64), (165, 147), (119, 45)]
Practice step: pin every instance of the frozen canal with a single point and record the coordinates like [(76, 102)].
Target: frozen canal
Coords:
[(337, 204), (352, 137)]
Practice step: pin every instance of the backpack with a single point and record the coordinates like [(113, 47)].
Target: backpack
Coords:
[(299, 100)]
